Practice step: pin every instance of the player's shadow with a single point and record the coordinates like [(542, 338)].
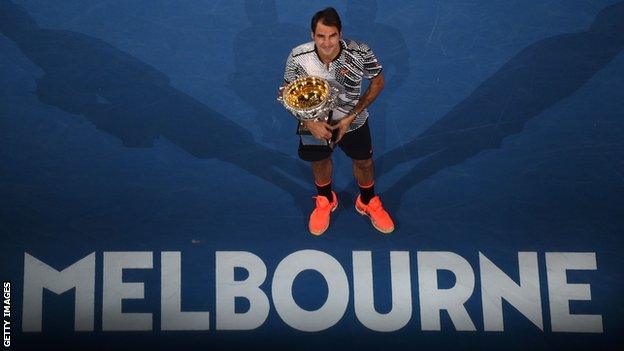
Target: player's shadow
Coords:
[(260, 52), (134, 102), (532, 81), (389, 46)]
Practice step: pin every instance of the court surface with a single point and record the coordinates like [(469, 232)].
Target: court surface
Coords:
[(151, 126)]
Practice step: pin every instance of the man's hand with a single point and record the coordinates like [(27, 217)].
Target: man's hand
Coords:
[(343, 126), (319, 129)]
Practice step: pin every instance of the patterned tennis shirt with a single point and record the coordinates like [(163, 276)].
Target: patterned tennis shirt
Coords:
[(354, 62)]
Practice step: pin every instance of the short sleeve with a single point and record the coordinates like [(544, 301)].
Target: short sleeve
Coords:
[(291, 72), (372, 67)]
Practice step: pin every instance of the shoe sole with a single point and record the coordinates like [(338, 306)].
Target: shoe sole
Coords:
[(363, 213), (323, 231)]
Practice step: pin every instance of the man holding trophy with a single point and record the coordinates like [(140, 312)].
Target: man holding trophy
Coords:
[(322, 89)]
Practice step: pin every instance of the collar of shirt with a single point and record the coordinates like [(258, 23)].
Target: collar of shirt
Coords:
[(342, 47)]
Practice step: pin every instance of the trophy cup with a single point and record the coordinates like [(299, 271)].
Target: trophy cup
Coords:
[(310, 98)]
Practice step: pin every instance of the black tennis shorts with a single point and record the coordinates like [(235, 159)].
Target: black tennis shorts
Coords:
[(355, 144)]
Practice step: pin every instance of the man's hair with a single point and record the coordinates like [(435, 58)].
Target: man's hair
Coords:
[(329, 17)]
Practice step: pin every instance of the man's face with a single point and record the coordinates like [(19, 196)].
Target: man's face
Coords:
[(327, 39)]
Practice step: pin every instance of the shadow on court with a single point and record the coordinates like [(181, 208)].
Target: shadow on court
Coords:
[(134, 102), (532, 81), (260, 52)]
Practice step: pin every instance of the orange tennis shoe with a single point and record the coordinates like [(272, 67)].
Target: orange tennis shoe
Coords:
[(379, 217), (319, 218)]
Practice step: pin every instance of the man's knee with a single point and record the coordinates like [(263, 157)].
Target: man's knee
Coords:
[(363, 164), (322, 163)]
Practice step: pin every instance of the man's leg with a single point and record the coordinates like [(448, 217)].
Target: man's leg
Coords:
[(326, 200), (358, 146), (322, 171), (367, 203), (364, 171)]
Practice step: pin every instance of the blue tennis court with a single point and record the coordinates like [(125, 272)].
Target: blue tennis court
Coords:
[(152, 197)]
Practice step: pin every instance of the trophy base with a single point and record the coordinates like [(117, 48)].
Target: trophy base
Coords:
[(308, 139)]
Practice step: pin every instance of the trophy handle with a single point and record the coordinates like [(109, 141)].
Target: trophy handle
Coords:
[(280, 93)]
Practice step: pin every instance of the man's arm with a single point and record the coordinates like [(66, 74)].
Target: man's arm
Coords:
[(375, 87)]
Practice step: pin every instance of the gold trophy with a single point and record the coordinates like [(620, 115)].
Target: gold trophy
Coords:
[(310, 98)]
